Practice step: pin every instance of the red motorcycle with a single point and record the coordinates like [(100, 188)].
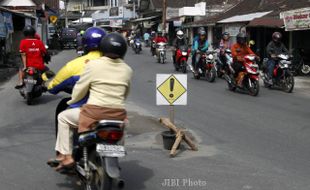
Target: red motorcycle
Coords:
[(206, 66), (250, 82), (182, 55)]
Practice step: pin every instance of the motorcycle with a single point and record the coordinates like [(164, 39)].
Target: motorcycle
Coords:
[(137, 47), (96, 153), (33, 85), (206, 66), (153, 48), (181, 58), (80, 51), (282, 76), (223, 65), (299, 67), (161, 52), (250, 82)]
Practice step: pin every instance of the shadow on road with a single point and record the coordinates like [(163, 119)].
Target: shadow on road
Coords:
[(135, 175)]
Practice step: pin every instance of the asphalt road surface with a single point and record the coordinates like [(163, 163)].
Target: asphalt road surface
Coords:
[(245, 143)]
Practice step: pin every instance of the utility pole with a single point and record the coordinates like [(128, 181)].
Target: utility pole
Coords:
[(66, 13), (164, 15)]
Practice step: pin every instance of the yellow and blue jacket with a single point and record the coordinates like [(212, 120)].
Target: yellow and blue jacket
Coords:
[(70, 74)]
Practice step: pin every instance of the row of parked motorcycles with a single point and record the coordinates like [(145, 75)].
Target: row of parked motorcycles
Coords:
[(211, 66)]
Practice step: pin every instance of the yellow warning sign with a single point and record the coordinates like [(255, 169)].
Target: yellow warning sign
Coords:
[(171, 89), (53, 19)]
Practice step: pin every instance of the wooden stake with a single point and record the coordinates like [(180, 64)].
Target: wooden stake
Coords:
[(177, 142), (166, 122)]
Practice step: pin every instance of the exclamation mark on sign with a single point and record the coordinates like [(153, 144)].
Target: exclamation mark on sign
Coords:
[(171, 87)]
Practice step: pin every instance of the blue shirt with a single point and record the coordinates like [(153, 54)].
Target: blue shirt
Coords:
[(146, 36)]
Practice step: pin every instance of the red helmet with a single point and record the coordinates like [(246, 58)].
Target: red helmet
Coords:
[(276, 36)]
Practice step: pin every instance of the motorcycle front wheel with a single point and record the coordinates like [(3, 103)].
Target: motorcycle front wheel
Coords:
[(210, 75), (184, 66), (289, 84), (99, 180), (162, 59), (254, 89)]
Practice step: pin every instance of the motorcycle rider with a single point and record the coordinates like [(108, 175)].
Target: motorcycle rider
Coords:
[(107, 81), (79, 40), (239, 50), (200, 46), (32, 51), (68, 75), (160, 37), (196, 38), (153, 36), (179, 41), (225, 43), (274, 48)]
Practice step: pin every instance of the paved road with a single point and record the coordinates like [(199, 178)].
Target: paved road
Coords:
[(244, 142)]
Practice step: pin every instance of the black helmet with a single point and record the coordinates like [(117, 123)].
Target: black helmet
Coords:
[(241, 38), (29, 31), (276, 37), (113, 46)]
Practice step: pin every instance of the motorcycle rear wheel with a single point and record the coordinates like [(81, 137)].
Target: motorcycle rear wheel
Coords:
[(28, 98), (100, 180)]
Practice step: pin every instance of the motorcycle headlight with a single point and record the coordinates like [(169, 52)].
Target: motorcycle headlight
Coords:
[(184, 53), (210, 56)]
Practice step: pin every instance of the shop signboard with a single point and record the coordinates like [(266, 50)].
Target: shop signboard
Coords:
[(298, 19)]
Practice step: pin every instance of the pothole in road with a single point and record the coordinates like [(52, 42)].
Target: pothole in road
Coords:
[(144, 132)]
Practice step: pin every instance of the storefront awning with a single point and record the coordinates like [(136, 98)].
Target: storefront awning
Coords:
[(267, 22), (244, 18), (145, 19)]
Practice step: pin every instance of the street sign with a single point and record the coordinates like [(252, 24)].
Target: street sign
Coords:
[(53, 19), (171, 89)]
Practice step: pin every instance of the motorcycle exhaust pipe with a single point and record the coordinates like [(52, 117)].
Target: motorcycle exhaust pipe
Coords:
[(120, 183)]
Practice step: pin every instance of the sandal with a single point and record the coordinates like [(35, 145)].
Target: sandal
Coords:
[(64, 168), (53, 162)]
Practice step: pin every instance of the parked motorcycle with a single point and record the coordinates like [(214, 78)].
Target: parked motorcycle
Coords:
[(33, 85), (206, 66), (161, 52), (299, 67), (250, 83), (182, 55), (137, 47), (282, 76)]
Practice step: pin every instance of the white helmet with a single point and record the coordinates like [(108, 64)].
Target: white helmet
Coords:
[(180, 34)]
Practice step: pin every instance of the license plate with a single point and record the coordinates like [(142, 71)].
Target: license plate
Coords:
[(111, 150), (30, 81), (80, 52)]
